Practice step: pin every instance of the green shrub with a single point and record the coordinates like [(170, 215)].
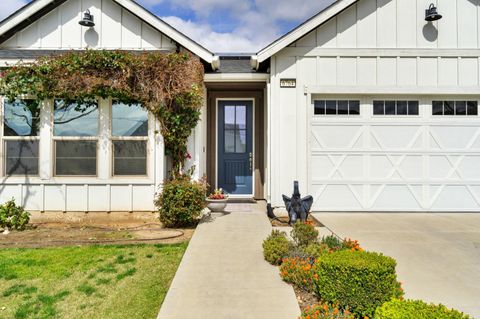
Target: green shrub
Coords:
[(299, 272), (332, 242), (304, 234), (276, 247), (416, 309), (356, 280), (325, 311), (13, 216), (315, 250), (181, 201)]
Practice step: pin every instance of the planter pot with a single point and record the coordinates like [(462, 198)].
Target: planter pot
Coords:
[(216, 205)]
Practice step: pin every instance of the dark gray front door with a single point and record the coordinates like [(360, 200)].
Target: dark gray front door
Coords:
[(235, 147)]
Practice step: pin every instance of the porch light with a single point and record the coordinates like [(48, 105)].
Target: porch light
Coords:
[(431, 14), (87, 20)]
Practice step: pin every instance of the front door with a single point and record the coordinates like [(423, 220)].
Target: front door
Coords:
[(235, 147)]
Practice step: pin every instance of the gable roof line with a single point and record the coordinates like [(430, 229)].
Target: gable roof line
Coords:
[(303, 29), (30, 9)]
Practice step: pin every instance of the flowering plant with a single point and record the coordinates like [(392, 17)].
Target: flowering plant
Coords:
[(218, 194)]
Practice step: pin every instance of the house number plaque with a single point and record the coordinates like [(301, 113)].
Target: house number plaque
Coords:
[(288, 83)]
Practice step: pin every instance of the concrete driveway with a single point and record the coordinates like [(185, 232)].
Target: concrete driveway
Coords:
[(438, 255)]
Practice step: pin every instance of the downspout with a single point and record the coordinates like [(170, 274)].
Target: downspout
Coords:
[(215, 63), (254, 62)]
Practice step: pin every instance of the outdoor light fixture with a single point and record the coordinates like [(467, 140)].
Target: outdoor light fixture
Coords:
[(431, 14), (87, 20)]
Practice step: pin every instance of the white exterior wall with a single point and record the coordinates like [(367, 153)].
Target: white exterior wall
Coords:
[(374, 48), (115, 28)]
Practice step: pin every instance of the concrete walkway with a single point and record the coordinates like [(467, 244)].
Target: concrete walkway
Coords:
[(223, 274), (438, 255)]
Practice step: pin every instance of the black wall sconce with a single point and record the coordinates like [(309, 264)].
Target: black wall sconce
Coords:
[(431, 14), (87, 20)]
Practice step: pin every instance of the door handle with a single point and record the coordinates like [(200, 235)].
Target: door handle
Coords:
[(250, 159)]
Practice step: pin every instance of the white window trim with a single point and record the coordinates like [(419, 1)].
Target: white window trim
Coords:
[(4, 139), (113, 138)]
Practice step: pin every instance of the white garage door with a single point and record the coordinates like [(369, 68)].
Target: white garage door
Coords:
[(404, 154)]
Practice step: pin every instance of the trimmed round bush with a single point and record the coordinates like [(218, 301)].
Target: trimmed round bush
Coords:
[(276, 247), (357, 280), (304, 234), (416, 309), (181, 202), (13, 217)]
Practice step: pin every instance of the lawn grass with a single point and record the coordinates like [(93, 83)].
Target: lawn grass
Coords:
[(87, 282)]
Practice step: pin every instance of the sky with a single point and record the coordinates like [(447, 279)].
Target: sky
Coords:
[(223, 26)]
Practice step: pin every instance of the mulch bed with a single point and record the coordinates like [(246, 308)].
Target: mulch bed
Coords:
[(304, 298), (282, 221)]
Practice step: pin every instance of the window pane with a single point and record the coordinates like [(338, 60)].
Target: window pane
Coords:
[(390, 107), (402, 108), (472, 108), (76, 158), (413, 108), (461, 108), (241, 141), (241, 117), (331, 107), (319, 107), (437, 108), (229, 117), (71, 119), (354, 108), (229, 141), (129, 120), (449, 108), (21, 118), (130, 157), (21, 157), (378, 108), (342, 107)]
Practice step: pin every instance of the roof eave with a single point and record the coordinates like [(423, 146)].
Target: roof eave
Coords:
[(30, 9), (303, 29)]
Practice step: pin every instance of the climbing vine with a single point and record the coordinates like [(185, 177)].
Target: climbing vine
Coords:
[(168, 85)]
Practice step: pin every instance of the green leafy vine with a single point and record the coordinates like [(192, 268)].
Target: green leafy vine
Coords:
[(168, 85)]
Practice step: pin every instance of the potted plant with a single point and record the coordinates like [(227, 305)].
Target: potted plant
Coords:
[(217, 201)]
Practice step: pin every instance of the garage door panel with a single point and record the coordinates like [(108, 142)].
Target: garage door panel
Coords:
[(336, 136), (453, 197), (322, 166), (444, 167), (396, 197), (397, 137), (338, 197), (469, 168), (450, 137)]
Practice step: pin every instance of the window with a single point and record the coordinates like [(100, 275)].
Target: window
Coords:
[(333, 107), (235, 129), (21, 124), (395, 107), (129, 139), (455, 108), (75, 130)]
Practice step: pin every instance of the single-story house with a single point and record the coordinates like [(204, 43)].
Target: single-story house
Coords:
[(367, 104)]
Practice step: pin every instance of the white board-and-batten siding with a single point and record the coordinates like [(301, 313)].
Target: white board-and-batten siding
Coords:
[(373, 49), (115, 28)]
